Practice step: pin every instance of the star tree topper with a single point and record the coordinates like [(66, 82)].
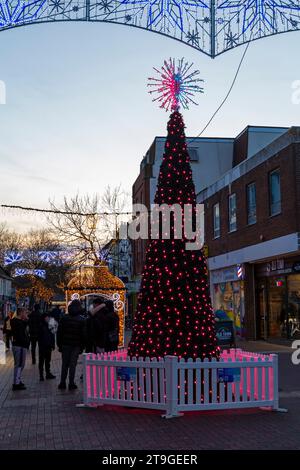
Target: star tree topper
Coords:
[(176, 85)]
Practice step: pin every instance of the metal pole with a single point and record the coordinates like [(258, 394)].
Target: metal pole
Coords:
[(213, 29), (88, 4), (118, 248)]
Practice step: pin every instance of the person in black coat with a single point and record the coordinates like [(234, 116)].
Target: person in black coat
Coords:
[(105, 326), (46, 341), (70, 341), (99, 325), (20, 344), (34, 320)]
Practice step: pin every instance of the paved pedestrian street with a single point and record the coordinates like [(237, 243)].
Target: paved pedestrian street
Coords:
[(42, 417)]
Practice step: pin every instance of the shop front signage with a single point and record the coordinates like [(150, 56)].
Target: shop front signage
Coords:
[(275, 265), (296, 267), (280, 264), (225, 275)]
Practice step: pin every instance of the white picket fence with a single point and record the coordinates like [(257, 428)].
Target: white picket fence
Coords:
[(238, 380)]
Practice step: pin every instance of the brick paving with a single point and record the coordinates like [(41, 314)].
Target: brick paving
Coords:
[(43, 417)]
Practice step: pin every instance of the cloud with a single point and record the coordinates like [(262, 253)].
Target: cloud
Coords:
[(11, 164), (42, 179), (27, 176), (9, 161)]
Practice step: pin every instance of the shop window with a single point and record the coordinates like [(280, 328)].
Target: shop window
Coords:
[(275, 192), (217, 222), (294, 305), (251, 203), (232, 212), (194, 157), (279, 307), (229, 304)]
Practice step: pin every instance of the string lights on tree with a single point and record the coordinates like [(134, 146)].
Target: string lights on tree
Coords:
[(176, 85), (174, 314)]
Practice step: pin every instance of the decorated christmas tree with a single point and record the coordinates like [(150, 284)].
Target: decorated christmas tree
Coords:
[(174, 314)]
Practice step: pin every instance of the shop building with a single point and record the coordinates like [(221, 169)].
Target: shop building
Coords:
[(252, 227), (7, 294), (278, 298)]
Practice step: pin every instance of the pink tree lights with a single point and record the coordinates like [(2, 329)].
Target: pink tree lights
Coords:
[(176, 85), (174, 314)]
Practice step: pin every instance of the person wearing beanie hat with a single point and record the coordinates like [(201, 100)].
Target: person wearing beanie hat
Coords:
[(20, 344)]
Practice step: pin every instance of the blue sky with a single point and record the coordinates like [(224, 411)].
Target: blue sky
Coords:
[(78, 116)]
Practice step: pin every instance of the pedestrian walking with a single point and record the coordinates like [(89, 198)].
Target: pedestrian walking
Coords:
[(34, 321), (70, 341), (46, 341), (20, 344), (7, 329)]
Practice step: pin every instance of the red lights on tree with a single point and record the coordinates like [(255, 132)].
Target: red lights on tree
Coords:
[(174, 314)]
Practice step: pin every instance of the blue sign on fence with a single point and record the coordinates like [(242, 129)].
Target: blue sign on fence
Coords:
[(126, 373), (232, 374)]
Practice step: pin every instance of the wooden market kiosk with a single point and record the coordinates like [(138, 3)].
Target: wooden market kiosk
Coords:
[(89, 282)]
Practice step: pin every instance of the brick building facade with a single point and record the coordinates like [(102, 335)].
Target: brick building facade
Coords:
[(251, 232), (252, 226)]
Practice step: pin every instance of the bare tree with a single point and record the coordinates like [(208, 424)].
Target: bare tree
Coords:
[(114, 201), (85, 224), (10, 242), (37, 250), (44, 252)]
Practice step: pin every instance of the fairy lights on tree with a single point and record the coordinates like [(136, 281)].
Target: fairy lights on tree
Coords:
[(174, 314), (176, 85)]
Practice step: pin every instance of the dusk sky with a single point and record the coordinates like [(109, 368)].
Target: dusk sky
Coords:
[(78, 115)]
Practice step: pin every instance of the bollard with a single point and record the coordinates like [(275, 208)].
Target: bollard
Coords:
[(2, 353)]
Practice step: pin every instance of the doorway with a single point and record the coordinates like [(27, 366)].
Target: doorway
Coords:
[(262, 311)]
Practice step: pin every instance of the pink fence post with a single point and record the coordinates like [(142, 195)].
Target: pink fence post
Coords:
[(85, 394), (273, 385)]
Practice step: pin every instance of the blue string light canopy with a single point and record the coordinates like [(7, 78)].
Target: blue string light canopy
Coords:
[(210, 26)]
